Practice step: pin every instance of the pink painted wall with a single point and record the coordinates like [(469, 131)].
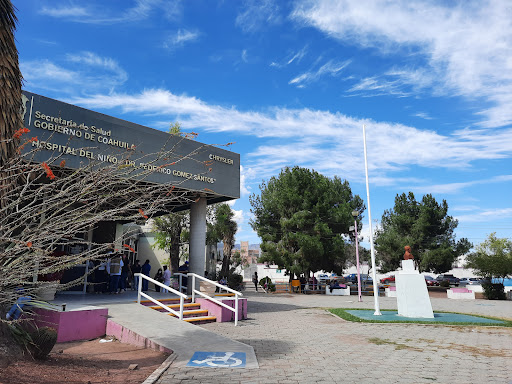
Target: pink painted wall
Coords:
[(224, 314), (125, 335), (74, 325), (460, 290)]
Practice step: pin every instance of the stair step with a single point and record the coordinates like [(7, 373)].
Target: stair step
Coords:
[(225, 294), (192, 313), (200, 319), (165, 301), (177, 306)]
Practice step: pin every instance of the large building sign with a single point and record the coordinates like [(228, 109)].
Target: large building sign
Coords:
[(77, 136)]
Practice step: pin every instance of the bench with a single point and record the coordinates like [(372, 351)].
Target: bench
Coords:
[(337, 291), (282, 287), (460, 293)]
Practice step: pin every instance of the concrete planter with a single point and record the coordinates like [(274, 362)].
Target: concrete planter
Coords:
[(47, 290)]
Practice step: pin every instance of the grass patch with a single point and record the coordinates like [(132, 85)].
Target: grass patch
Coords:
[(342, 312)]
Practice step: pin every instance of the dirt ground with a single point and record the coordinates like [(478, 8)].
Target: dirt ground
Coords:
[(86, 362)]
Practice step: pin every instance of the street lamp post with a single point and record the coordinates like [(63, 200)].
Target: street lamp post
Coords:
[(355, 214)]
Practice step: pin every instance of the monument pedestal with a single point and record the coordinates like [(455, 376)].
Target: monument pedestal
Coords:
[(411, 292)]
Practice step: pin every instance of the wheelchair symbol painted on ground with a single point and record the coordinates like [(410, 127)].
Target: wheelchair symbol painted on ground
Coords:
[(218, 360)]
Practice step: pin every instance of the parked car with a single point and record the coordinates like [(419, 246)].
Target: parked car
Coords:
[(449, 278), (323, 277), (431, 282), (365, 279), (471, 281), (388, 279)]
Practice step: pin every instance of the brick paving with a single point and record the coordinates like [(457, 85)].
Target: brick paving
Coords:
[(297, 341)]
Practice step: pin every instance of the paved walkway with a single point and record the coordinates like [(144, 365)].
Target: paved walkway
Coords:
[(296, 341), (145, 324)]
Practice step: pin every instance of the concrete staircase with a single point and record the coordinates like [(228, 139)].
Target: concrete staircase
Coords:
[(192, 312)]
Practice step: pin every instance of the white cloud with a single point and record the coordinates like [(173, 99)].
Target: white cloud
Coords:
[(331, 68), (63, 11), (423, 115), (142, 10), (92, 60), (458, 187), (466, 46), (238, 216), (328, 142), (373, 86), (44, 70), (486, 215), (465, 208), (258, 14), (89, 71), (180, 38), (365, 231), (291, 58), (244, 56), (245, 174)]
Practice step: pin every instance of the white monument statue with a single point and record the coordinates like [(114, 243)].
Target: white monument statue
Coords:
[(411, 290)]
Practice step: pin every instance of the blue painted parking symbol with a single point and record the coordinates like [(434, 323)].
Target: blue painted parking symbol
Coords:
[(218, 359)]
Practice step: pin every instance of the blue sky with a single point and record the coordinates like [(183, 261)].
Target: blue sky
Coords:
[(292, 83)]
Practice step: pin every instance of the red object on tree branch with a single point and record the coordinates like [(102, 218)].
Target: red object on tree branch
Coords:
[(49, 173)]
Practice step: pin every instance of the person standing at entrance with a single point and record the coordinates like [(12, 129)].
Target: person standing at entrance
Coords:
[(101, 277), (167, 278), (145, 271), (255, 280), (125, 269), (136, 269), (160, 278), (115, 267)]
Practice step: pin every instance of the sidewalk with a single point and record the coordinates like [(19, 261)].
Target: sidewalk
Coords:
[(296, 341), (149, 326)]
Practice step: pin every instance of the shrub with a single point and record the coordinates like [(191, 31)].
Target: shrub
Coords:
[(43, 340), (445, 284), (494, 291), (38, 342), (270, 285), (234, 280)]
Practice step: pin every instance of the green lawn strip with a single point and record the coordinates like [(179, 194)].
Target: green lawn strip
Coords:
[(342, 312)]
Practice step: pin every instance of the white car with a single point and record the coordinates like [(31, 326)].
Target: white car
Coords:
[(323, 277)]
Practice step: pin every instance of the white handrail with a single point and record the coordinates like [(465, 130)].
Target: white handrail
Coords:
[(140, 293), (194, 291), (181, 276)]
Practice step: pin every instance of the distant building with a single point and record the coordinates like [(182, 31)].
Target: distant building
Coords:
[(248, 255)]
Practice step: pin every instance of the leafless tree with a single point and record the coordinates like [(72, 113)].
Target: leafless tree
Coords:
[(48, 205)]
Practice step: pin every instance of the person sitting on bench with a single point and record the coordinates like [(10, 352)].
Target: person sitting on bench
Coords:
[(334, 285)]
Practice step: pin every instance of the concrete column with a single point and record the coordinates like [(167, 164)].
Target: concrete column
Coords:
[(118, 240), (197, 240)]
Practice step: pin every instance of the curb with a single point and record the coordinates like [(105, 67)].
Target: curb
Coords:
[(153, 378)]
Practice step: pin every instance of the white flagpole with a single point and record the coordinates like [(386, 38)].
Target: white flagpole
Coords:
[(374, 270)]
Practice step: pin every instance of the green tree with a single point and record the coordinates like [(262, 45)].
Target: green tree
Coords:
[(300, 217), (171, 233), (492, 258), (225, 228), (168, 236), (426, 227), (175, 129)]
